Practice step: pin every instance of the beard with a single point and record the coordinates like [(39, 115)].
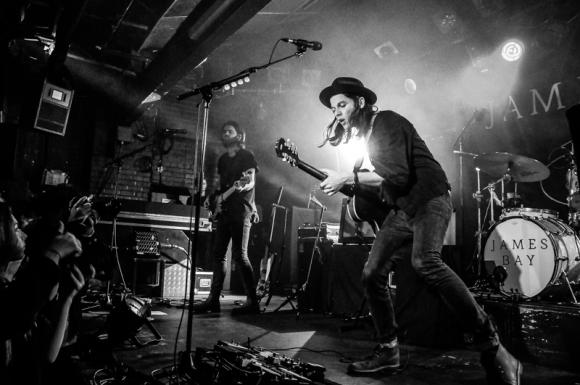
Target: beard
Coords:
[(229, 142)]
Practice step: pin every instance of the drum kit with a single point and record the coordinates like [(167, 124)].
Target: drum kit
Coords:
[(528, 250)]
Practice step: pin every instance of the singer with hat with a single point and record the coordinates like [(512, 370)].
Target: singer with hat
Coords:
[(415, 186)]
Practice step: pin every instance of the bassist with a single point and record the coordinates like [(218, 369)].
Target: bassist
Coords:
[(237, 169)]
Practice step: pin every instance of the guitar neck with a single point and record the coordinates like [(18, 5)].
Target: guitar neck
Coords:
[(226, 194), (346, 189)]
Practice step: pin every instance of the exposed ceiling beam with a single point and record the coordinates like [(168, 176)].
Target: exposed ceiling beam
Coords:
[(205, 29)]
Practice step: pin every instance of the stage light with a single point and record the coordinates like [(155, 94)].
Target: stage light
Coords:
[(512, 50), (410, 86), (128, 317), (352, 151)]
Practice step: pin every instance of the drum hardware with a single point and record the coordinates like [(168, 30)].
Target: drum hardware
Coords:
[(535, 251), (564, 277), (573, 187), (478, 196), (520, 168)]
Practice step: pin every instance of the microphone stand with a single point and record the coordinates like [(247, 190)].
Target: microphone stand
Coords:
[(206, 92)]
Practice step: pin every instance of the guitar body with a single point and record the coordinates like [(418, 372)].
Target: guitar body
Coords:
[(364, 205), (216, 201), (363, 209)]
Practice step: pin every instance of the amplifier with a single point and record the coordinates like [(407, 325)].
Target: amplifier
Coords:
[(176, 282), (159, 215), (307, 230), (146, 243)]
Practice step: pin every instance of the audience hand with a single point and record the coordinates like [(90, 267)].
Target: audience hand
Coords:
[(64, 245), (73, 282)]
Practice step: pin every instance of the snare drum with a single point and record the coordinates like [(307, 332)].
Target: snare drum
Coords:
[(534, 250), (528, 212)]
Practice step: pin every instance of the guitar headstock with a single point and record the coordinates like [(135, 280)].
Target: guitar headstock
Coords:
[(286, 150)]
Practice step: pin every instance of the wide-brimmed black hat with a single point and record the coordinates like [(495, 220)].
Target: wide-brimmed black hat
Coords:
[(345, 85)]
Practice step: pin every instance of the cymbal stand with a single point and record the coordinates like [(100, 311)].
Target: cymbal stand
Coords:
[(478, 197), (491, 188)]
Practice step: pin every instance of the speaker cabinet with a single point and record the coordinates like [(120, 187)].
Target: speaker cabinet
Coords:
[(312, 276), (299, 216), (145, 273), (53, 109)]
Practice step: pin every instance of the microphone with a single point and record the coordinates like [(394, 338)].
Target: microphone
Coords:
[(316, 202), (313, 45), (174, 131)]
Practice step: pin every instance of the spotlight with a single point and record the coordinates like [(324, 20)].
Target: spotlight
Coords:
[(512, 50), (410, 86), (127, 318)]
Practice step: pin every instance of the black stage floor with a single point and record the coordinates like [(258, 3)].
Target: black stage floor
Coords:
[(317, 338)]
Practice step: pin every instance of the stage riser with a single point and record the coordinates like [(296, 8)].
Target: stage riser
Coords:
[(542, 333)]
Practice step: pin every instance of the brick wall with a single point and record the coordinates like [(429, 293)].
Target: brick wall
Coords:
[(176, 153)]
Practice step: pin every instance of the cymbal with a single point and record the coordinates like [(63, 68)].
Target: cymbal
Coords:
[(466, 154), (520, 168)]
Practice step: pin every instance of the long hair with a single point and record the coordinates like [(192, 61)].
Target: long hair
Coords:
[(335, 133)]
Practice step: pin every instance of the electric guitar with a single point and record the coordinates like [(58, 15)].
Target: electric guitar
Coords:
[(364, 204), (215, 207)]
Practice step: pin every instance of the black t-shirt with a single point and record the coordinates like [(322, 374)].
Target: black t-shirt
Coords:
[(230, 170)]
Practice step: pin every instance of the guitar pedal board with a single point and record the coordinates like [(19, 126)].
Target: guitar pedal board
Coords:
[(231, 363)]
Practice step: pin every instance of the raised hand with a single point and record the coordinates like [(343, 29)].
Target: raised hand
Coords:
[(64, 245)]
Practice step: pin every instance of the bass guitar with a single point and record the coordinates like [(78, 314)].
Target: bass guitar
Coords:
[(216, 203), (364, 204)]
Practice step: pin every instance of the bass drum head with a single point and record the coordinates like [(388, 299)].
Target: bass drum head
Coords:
[(527, 253)]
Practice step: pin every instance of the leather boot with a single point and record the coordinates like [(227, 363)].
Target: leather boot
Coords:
[(385, 357), (210, 305), (251, 306), (501, 367)]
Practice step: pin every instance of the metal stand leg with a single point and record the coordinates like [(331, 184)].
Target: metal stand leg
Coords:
[(565, 278), (293, 296)]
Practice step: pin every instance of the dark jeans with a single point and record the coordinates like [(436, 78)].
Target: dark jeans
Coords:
[(427, 230), (238, 231)]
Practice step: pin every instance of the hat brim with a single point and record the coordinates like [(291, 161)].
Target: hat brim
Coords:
[(332, 90)]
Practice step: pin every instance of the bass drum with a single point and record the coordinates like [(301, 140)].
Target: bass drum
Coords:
[(535, 252)]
